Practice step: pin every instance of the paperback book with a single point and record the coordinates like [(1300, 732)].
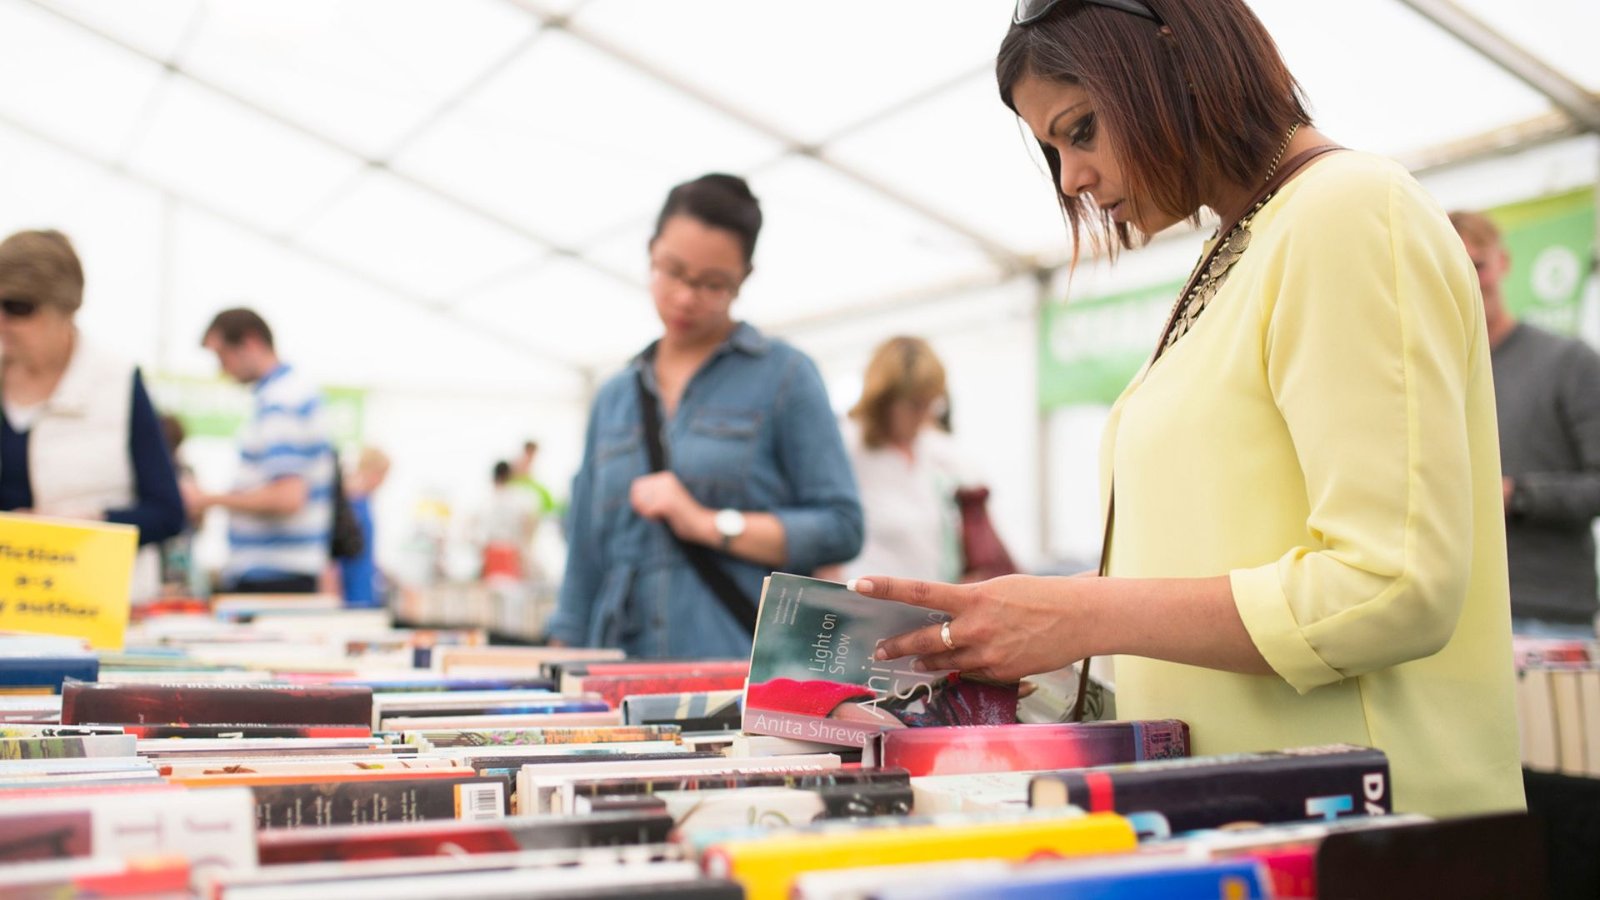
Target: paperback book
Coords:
[(813, 676)]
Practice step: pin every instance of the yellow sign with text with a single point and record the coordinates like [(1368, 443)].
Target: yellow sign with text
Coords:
[(67, 577)]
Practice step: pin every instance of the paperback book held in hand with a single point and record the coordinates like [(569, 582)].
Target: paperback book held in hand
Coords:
[(813, 676)]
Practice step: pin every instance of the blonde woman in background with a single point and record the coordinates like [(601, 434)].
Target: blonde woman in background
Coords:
[(906, 467), (79, 437)]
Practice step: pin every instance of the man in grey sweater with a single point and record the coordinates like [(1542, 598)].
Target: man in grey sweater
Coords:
[(1547, 391)]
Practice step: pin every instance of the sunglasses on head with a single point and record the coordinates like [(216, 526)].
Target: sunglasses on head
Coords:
[(1030, 11), (18, 307)]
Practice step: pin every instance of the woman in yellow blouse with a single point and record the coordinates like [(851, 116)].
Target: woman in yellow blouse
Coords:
[(1307, 543)]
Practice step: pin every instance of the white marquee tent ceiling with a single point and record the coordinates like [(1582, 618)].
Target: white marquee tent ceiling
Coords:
[(458, 191)]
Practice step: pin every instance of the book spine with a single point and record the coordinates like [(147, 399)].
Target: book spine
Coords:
[(357, 802), (692, 711), (210, 704), (69, 747), (1208, 792), (237, 731), (516, 737)]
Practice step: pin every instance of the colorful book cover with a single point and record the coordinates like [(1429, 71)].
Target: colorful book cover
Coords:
[(518, 737), (1176, 795), (613, 688), (246, 731), (387, 800), (413, 839), (213, 704), (694, 711), (1019, 748), (813, 676), (503, 720), (767, 866), (570, 675)]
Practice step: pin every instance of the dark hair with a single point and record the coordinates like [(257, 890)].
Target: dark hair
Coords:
[(720, 201), (1206, 96), (41, 266), (234, 325), (502, 472)]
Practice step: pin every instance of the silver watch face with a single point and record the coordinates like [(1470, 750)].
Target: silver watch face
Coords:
[(730, 523)]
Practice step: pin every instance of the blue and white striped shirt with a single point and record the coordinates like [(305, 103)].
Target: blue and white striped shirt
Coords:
[(287, 436)]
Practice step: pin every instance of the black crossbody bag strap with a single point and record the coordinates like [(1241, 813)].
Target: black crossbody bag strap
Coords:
[(734, 600)]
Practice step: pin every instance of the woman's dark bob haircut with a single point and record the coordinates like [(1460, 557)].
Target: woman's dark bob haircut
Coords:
[(1205, 97)]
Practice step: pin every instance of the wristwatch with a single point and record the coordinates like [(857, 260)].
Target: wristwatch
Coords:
[(730, 524)]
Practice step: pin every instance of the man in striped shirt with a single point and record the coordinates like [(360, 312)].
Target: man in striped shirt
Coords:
[(280, 513)]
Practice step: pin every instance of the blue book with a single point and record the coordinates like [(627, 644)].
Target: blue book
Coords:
[(1132, 879), (45, 674)]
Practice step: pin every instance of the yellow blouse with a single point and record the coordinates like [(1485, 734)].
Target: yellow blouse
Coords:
[(1325, 435)]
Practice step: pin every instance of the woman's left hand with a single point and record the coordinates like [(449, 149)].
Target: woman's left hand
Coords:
[(1003, 629), (661, 496)]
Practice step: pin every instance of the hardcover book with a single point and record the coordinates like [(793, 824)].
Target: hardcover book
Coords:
[(783, 807), (523, 737), (412, 839), (694, 711), (85, 703), (625, 785), (613, 688), (813, 676), (44, 674), (388, 800), (1018, 748), (1176, 795)]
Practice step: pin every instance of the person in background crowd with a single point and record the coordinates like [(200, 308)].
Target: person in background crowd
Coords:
[(508, 526), (79, 437), (906, 467), (1547, 399), (523, 477), (280, 513), (753, 474), (359, 576), (1305, 529)]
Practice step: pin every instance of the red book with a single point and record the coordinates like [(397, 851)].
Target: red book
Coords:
[(612, 688), (970, 749), (101, 703)]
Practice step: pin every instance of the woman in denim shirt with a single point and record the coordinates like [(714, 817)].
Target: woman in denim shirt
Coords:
[(755, 468)]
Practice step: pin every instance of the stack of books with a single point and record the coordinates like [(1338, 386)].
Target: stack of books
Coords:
[(809, 770), (1558, 705)]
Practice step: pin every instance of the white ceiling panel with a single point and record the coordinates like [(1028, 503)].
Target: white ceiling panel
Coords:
[(569, 143), (199, 143), (158, 27), (571, 312), (384, 226), (364, 72), (69, 84)]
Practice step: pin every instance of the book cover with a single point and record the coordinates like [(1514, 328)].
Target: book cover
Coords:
[(767, 866), (245, 731), (411, 839), (813, 676), (540, 787), (84, 703), (521, 737), (570, 675), (505, 720), (972, 792), (480, 661), (1176, 795), (1017, 748), (693, 711), (182, 771), (387, 800), (66, 747)]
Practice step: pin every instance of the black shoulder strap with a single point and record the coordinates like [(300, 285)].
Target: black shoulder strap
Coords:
[(734, 600)]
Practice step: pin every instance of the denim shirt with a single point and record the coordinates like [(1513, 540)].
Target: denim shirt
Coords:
[(753, 431)]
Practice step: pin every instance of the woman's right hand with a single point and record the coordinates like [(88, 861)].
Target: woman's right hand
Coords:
[(1003, 629)]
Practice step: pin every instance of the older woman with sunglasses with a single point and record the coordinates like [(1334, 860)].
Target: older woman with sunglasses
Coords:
[(1304, 539), (711, 459), (79, 437)]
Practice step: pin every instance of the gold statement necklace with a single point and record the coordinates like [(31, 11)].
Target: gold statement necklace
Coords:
[(1232, 246)]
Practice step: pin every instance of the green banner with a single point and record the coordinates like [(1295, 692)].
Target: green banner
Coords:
[(215, 407), (1551, 241), (1090, 349)]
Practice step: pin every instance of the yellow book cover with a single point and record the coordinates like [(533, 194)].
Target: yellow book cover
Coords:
[(66, 576), (767, 867)]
